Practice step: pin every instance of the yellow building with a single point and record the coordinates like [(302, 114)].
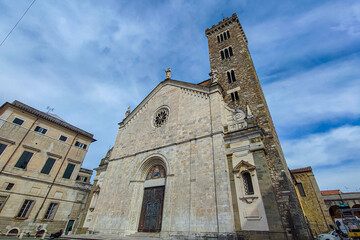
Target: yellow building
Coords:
[(42, 184), (311, 200)]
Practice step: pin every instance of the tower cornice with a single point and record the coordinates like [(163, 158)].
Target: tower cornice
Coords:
[(222, 24)]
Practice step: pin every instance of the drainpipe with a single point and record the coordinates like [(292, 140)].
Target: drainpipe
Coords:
[(53, 182)]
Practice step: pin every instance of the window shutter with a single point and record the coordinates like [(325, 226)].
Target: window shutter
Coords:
[(69, 169), (2, 148), (24, 159), (48, 165)]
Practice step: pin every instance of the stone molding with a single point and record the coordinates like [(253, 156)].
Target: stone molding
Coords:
[(7, 140), (31, 148), (54, 155), (73, 161)]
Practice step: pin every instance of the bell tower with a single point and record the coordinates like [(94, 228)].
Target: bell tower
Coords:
[(233, 69)]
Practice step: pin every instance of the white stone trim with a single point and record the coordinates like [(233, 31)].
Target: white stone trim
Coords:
[(233, 90)]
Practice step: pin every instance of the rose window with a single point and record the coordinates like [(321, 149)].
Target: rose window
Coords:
[(161, 117)]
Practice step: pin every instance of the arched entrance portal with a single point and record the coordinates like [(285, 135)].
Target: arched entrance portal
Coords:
[(153, 200)]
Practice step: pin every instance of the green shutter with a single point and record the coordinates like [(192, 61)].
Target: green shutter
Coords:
[(69, 169), (48, 165), (24, 159), (2, 148)]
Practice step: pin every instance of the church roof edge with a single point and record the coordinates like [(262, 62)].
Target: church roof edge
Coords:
[(165, 82)]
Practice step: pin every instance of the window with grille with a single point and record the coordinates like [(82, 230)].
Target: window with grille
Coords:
[(301, 189), (2, 148), (25, 209), (68, 171), (234, 96), (40, 130), (24, 160), (48, 165), (2, 201), (50, 213), (231, 76), (18, 121), (248, 186)]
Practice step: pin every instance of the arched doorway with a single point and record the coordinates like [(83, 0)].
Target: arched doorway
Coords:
[(13, 232), (153, 199), (333, 212)]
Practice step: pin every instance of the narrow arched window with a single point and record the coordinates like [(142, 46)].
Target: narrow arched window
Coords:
[(218, 38), (222, 54), (230, 50), (226, 53), (221, 37), (228, 34), (229, 78), (233, 76), (248, 186), (225, 37)]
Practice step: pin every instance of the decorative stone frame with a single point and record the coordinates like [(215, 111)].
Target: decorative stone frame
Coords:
[(164, 107), (239, 169), (139, 183)]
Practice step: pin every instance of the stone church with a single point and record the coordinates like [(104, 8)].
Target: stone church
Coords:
[(200, 161)]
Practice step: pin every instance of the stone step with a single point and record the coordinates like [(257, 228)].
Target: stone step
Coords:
[(145, 235)]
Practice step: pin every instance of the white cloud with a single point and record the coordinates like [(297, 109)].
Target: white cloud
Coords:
[(328, 92), (343, 177), (336, 147)]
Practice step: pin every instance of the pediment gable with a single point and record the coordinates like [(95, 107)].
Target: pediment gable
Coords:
[(243, 165), (187, 88)]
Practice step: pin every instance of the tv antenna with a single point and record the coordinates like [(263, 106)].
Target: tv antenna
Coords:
[(50, 109)]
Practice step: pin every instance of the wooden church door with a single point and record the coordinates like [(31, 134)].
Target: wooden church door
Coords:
[(151, 211)]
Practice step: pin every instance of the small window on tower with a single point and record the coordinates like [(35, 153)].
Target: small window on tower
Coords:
[(231, 76), (221, 37), (230, 51), (228, 34), (222, 55), (225, 36), (226, 53), (234, 96), (218, 38)]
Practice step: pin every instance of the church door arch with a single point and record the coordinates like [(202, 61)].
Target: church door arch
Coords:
[(153, 199)]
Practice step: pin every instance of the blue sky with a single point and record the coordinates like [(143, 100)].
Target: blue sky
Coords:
[(90, 60)]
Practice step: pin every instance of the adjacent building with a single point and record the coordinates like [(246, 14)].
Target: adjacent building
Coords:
[(335, 199), (311, 200), (41, 179), (201, 160)]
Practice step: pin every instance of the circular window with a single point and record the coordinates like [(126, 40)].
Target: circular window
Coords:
[(160, 117)]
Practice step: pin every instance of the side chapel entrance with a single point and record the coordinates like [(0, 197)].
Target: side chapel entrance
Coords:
[(152, 206)]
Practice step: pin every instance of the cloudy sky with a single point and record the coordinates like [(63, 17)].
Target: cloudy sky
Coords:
[(90, 60)]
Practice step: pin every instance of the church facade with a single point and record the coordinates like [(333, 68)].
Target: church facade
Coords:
[(201, 160)]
